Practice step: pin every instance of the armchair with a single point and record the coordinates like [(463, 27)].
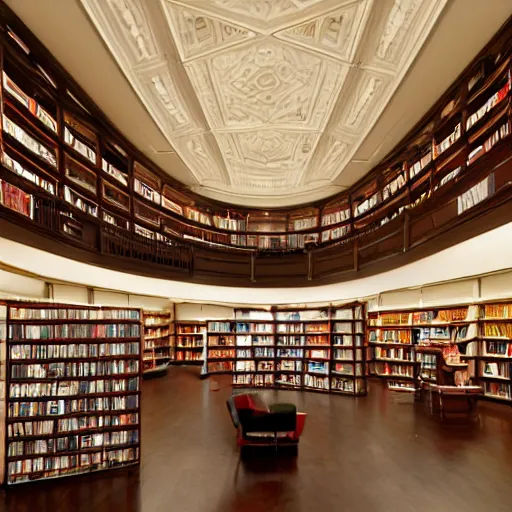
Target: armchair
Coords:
[(259, 424)]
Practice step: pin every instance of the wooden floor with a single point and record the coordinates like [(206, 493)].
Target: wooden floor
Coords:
[(374, 454)]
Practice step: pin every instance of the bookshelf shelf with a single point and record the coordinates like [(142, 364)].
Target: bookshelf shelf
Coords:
[(62, 403), (191, 342)]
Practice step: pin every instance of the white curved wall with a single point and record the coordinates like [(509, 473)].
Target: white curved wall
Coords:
[(486, 253)]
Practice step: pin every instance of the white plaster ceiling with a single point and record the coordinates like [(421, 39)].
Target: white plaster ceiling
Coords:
[(264, 97), (147, 90)]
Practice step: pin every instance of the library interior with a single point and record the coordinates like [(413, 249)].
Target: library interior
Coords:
[(255, 255)]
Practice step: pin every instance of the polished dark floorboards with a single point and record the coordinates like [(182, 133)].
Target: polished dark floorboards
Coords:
[(374, 454)]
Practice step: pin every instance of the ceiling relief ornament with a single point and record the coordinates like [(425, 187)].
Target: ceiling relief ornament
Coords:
[(268, 83), (135, 29), (265, 10), (197, 34), (163, 99), (336, 33), (397, 24), (272, 153), (197, 152), (289, 89), (329, 158)]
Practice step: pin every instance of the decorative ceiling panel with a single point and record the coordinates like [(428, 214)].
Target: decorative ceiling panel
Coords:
[(268, 97), (266, 83)]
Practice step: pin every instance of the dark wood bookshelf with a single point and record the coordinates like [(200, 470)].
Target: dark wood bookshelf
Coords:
[(56, 386)]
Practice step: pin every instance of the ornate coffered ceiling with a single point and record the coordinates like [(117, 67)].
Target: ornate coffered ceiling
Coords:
[(265, 97)]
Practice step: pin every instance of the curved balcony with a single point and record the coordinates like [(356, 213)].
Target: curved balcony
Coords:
[(71, 184)]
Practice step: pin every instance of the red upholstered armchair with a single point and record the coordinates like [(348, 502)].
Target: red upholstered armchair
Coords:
[(259, 424)]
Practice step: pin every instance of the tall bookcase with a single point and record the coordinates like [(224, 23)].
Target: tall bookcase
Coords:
[(254, 349), (158, 350), (494, 357), (220, 346), (292, 348), (190, 342), (72, 379), (348, 355)]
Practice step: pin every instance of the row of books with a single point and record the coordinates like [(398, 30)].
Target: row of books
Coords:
[(72, 350), (155, 332), (366, 205), (390, 336), (14, 166), (146, 191), (420, 164), (46, 467), (258, 352), (497, 348), (114, 172), (72, 443), (500, 330), (228, 223), (313, 381), (318, 367), (49, 156), (82, 369), (393, 186), (187, 355), (216, 367), (484, 148), (496, 370), (335, 217), (29, 103), (498, 311), (448, 141), (393, 370), (20, 332), (190, 329), (189, 341), (291, 380), (393, 353), (249, 340), (290, 328), (76, 424), (494, 100), (242, 327), (335, 233), (68, 406), (220, 327), (221, 341), (347, 385), (449, 177), (83, 149), (80, 202), (70, 388), (16, 199), (304, 223), (498, 390)]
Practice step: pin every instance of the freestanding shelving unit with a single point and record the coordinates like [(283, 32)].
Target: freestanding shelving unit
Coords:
[(72, 379), (255, 349), (292, 348), (190, 342), (158, 349)]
